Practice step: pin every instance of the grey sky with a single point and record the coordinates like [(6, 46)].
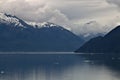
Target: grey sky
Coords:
[(70, 13)]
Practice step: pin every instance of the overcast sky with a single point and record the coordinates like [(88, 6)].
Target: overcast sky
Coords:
[(70, 13)]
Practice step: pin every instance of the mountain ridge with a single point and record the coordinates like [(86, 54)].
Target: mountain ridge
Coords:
[(107, 44), (17, 35)]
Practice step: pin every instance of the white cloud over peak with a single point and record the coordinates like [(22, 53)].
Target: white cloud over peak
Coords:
[(68, 13), (33, 11)]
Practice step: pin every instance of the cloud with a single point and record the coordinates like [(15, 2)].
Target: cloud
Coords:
[(33, 11), (116, 2), (30, 12), (68, 13)]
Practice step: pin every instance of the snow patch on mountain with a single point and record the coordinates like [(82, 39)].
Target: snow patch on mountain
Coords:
[(14, 21), (10, 20), (46, 25)]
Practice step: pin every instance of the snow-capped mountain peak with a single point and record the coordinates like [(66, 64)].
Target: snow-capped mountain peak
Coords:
[(48, 24), (45, 25), (10, 20), (14, 21)]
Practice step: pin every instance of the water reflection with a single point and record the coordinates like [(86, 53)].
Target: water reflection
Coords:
[(53, 67), (111, 60)]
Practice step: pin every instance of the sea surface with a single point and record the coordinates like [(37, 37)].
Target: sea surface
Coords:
[(59, 66)]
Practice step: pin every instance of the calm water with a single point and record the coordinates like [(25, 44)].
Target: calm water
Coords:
[(61, 66)]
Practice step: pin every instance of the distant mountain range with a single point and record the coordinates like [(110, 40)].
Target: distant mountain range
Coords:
[(110, 43), (17, 35)]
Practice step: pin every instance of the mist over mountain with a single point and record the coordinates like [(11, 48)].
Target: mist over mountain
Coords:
[(110, 43), (92, 29), (17, 35)]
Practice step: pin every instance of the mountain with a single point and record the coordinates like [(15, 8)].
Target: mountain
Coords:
[(17, 35), (110, 43)]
